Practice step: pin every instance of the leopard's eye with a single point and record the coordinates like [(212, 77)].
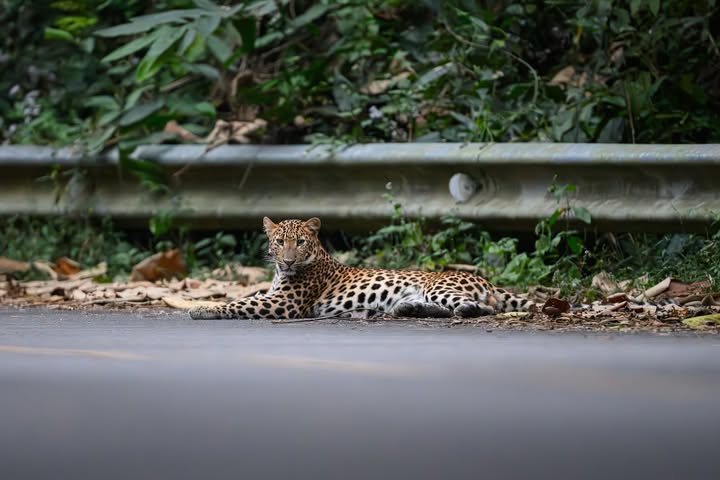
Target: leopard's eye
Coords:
[(279, 241), (300, 241)]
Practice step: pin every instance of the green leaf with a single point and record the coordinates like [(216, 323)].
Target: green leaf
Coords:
[(187, 106), (218, 48), (134, 96), (224, 11), (654, 6), (703, 321), (87, 44), (108, 117), (169, 16), (575, 244), (97, 141), (582, 214), (141, 111), (75, 23), (268, 39), (166, 37), (153, 138), (147, 68), (207, 25), (187, 40), (130, 48), (203, 69), (57, 34), (310, 15), (148, 22), (552, 219), (261, 8), (205, 108), (248, 33), (434, 74), (207, 5), (196, 49), (125, 29), (103, 102)]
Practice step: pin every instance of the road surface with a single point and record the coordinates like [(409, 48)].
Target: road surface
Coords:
[(158, 396)]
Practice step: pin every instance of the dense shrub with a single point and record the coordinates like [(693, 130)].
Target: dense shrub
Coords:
[(105, 72)]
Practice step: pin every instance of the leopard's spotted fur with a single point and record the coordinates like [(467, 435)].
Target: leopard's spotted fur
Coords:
[(310, 283)]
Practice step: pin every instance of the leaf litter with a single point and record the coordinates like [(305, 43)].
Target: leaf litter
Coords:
[(160, 281)]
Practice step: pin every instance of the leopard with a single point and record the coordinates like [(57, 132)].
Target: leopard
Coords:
[(310, 283)]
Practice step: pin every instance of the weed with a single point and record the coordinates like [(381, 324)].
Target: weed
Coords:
[(559, 256), (689, 257), (29, 239), (88, 242)]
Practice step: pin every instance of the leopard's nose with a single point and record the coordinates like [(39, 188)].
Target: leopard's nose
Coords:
[(289, 262)]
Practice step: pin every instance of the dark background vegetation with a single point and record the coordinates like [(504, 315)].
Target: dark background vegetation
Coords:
[(80, 71), (112, 73)]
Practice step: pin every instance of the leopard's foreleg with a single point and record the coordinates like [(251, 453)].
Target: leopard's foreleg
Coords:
[(259, 307)]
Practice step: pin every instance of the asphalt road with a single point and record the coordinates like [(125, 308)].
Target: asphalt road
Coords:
[(156, 396)]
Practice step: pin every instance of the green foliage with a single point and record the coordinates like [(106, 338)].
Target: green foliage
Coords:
[(342, 70), (688, 257), (408, 242), (30, 239), (224, 248), (559, 257)]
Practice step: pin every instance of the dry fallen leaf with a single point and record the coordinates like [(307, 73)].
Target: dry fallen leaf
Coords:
[(66, 267), (463, 267), (200, 293), (223, 132), (249, 275), (605, 283), (174, 128), (248, 291), (12, 266), (563, 77), (617, 298), (237, 132), (680, 289), (176, 301), (96, 271), (377, 87), (45, 267), (658, 289), (161, 265), (555, 306)]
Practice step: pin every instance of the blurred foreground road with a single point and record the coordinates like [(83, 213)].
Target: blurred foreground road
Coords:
[(154, 396)]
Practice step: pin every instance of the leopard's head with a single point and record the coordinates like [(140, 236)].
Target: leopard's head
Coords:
[(293, 244)]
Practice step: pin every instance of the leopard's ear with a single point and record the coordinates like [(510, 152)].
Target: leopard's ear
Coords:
[(313, 224), (269, 225)]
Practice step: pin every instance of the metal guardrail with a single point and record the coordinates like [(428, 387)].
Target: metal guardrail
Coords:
[(625, 187)]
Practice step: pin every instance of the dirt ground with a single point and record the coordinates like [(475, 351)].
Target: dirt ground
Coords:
[(618, 312)]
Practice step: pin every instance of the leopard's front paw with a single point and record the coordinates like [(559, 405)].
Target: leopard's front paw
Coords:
[(203, 313)]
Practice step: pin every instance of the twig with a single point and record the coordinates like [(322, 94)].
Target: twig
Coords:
[(630, 114), (245, 176), (177, 83)]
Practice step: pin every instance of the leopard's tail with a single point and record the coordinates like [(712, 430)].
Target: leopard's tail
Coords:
[(509, 302)]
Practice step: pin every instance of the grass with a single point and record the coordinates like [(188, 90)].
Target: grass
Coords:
[(406, 243)]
